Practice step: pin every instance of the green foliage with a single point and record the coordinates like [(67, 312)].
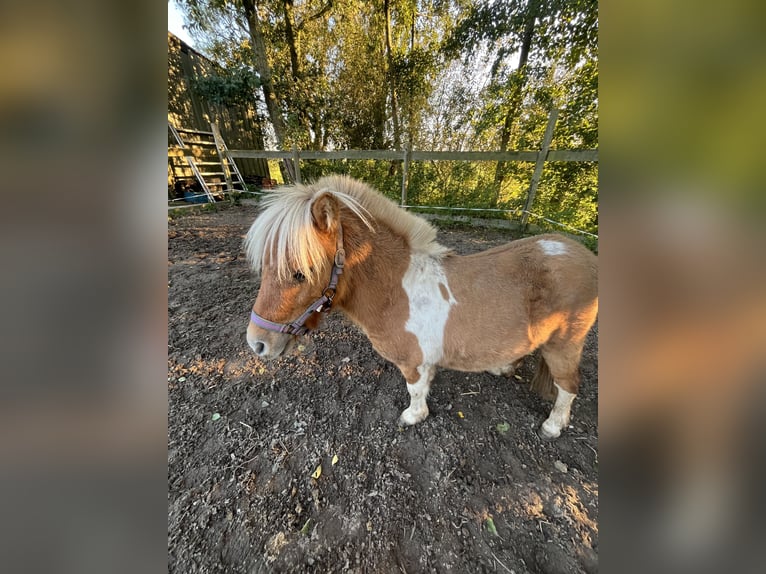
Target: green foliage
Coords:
[(228, 87)]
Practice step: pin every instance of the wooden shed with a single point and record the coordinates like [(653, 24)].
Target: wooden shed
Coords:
[(240, 125)]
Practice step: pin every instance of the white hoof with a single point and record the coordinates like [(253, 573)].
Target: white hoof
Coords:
[(410, 416), (549, 431)]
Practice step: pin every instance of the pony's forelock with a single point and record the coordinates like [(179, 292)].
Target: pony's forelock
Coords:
[(284, 229)]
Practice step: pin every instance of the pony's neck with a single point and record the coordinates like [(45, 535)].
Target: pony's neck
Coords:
[(372, 279)]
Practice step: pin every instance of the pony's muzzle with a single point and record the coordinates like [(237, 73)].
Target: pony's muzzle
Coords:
[(266, 345)]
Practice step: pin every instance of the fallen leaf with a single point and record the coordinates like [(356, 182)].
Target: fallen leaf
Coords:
[(305, 529), (460, 414), (215, 417), (503, 428), (317, 473), (490, 524), (334, 459)]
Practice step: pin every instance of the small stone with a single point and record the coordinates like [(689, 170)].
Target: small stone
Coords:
[(560, 466), (553, 508), (264, 404)]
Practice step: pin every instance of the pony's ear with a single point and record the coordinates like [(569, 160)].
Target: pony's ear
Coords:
[(324, 212)]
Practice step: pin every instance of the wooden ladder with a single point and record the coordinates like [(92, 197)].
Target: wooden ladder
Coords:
[(217, 173)]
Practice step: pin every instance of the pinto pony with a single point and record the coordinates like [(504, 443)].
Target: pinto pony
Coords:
[(339, 243)]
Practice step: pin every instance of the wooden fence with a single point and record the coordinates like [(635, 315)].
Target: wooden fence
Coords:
[(539, 157)]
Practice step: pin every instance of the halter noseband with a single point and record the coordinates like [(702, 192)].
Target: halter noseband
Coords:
[(321, 305)]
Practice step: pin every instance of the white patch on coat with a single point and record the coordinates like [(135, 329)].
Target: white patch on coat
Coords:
[(559, 417), (552, 247), (429, 309)]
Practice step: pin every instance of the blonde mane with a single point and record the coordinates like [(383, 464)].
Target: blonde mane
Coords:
[(284, 227)]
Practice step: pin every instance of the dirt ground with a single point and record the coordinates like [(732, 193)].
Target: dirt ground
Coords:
[(456, 493)]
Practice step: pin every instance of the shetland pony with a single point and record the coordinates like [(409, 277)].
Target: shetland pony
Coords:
[(337, 243)]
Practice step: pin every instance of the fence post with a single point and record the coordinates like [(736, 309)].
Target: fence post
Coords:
[(541, 157), (405, 172), (296, 166)]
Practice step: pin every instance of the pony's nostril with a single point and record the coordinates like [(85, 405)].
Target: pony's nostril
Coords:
[(258, 347)]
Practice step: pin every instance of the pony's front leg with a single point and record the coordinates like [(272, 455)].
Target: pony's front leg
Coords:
[(418, 385), (559, 417)]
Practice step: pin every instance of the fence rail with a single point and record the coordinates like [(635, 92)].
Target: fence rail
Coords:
[(577, 155)]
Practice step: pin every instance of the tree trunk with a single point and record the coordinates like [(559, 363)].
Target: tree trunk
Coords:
[(391, 79), (410, 94), (515, 100), (292, 40), (267, 83), (292, 37)]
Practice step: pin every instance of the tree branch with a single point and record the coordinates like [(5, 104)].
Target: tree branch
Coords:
[(322, 11)]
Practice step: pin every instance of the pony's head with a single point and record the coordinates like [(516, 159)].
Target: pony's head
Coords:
[(296, 245)]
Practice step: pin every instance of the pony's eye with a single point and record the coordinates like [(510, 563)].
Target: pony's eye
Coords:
[(299, 277)]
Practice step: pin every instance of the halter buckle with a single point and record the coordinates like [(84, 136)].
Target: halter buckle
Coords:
[(329, 294), (340, 258)]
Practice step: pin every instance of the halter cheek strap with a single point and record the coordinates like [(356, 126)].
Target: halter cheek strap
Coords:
[(321, 305)]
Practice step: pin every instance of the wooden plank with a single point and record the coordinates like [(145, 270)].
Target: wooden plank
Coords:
[(220, 148), (245, 153), (405, 172), (198, 132), (352, 154), (543, 155), (573, 155), (296, 165), (474, 156)]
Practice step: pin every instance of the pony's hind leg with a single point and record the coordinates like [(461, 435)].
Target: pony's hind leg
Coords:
[(563, 361), (418, 386)]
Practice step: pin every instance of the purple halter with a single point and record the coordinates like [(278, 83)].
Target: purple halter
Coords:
[(321, 305)]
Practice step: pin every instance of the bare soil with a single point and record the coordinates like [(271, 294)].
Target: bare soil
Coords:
[(245, 437)]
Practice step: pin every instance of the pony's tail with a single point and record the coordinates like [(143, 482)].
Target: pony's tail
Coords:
[(542, 381)]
